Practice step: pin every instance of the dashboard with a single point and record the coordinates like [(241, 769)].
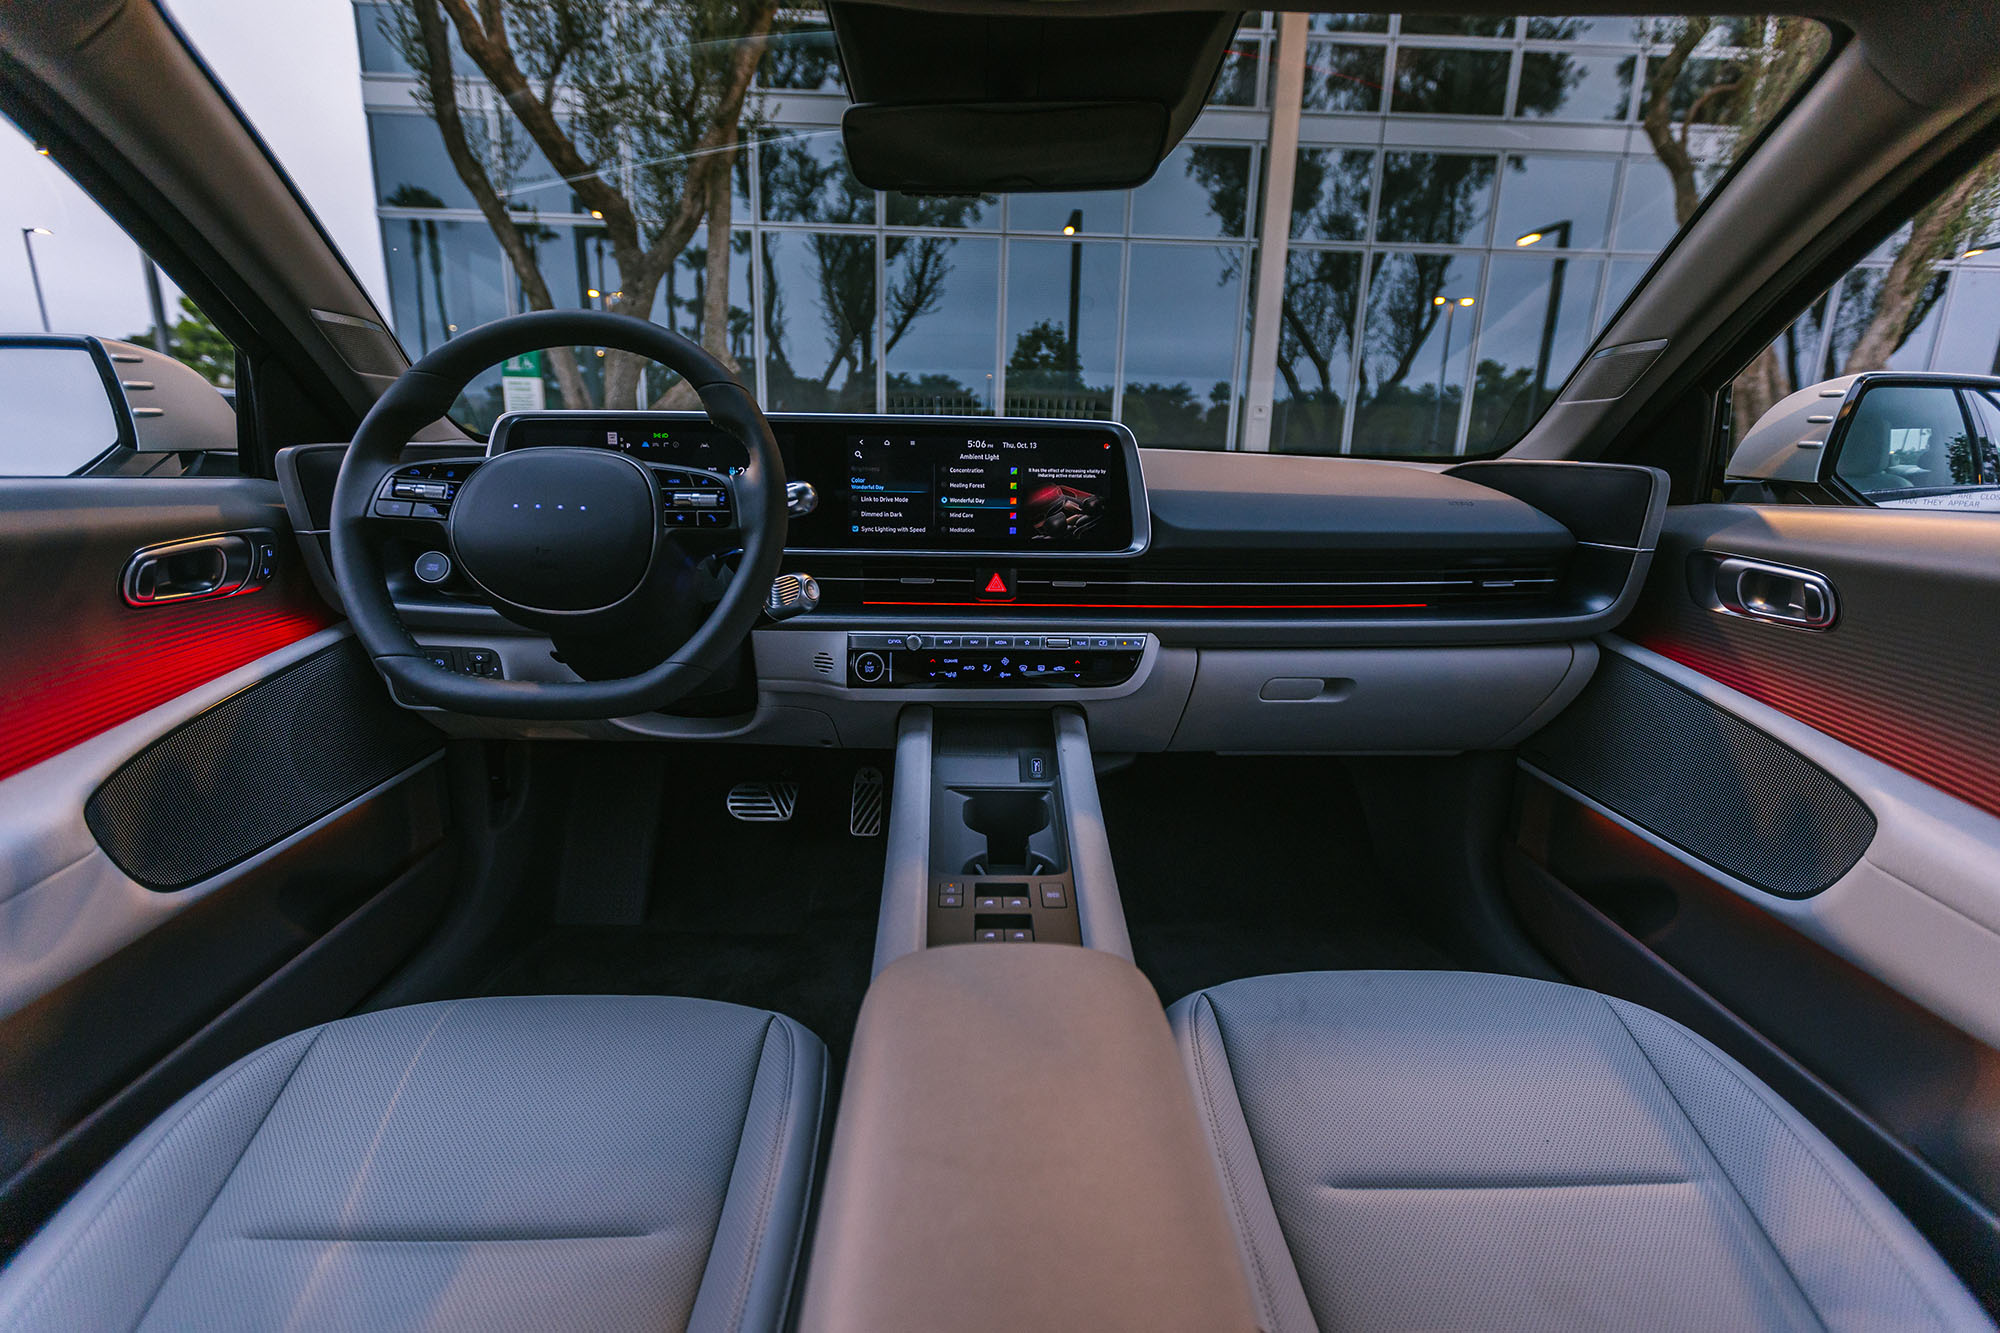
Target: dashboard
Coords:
[(903, 486), (1179, 599)]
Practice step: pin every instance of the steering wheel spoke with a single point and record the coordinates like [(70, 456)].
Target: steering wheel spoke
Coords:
[(421, 493)]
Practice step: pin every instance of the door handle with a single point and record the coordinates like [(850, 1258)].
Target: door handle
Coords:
[(1761, 590), (219, 565)]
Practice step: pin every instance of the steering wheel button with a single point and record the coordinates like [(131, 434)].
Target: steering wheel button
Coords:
[(433, 567), (393, 508), (714, 520)]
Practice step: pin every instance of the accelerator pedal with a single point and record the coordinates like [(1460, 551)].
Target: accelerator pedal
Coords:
[(864, 811), (865, 807), (763, 802)]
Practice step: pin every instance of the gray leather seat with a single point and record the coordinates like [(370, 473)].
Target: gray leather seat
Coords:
[(547, 1163), (1458, 1151)]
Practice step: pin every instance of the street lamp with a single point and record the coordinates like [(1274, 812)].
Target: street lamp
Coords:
[(1452, 305), (28, 235), (1071, 228), (1560, 230), (1978, 248)]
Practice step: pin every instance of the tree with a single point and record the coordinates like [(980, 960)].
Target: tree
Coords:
[(1761, 63), (1044, 350), (1940, 231), (196, 343), (635, 104)]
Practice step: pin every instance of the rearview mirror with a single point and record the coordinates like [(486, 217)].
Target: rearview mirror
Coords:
[(1893, 440)]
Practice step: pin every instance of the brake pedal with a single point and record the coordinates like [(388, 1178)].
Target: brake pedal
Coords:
[(763, 802), (864, 810)]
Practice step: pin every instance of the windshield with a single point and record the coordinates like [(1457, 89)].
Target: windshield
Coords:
[(1470, 201)]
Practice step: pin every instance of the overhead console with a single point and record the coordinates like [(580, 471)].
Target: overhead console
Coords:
[(904, 486)]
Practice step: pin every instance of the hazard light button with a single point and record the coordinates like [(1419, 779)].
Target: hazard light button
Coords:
[(994, 585)]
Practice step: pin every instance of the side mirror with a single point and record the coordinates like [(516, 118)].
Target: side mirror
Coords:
[(1891, 439), (174, 409), (61, 409), (69, 404)]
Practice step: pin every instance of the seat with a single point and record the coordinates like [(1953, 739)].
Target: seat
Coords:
[(1864, 457), (537, 1162), (1459, 1151)]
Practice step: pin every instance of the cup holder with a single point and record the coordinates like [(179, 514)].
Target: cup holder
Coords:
[(1016, 828)]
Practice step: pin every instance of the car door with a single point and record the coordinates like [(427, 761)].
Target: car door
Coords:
[(1775, 811), (215, 827)]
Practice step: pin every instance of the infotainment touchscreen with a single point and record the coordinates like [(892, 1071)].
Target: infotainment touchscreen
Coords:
[(1005, 488), (905, 484)]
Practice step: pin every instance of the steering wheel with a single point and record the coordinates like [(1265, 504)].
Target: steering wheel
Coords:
[(577, 543)]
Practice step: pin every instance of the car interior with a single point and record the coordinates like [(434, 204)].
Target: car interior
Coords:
[(721, 866)]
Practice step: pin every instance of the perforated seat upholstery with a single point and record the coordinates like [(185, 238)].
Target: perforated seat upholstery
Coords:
[(547, 1163), (1409, 1150)]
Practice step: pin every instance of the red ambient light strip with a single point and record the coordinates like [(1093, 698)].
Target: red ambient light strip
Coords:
[(1177, 606), (1953, 761), (69, 697)]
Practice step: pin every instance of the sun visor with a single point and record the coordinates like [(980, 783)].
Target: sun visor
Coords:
[(954, 103), (998, 147)]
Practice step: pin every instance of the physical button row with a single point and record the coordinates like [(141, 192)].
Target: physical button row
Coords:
[(952, 642), (409, 509), (951, 893), (687, 518), (467, 662), (1004, 935)]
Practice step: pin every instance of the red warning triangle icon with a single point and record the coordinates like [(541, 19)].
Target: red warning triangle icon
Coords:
[(996, 586)]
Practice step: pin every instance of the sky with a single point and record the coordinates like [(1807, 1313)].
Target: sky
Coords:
[(294, 69)]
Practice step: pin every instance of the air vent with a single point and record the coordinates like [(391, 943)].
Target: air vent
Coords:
[(823, 663), (1413, 592), (763, 802)]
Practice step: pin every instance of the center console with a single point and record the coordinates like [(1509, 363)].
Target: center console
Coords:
[(996, 837)]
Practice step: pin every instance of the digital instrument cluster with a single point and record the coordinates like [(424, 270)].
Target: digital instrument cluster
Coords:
[(904, 485)]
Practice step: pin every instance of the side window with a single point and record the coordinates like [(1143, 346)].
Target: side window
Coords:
[(106, 368), (1926, 301)]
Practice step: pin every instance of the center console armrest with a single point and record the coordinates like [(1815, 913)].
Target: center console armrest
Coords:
[(1017, 1147)]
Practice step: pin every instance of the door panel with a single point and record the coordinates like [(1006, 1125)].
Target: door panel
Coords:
[(210, 800), (1907, 673), (1788, 837), (76, 658)]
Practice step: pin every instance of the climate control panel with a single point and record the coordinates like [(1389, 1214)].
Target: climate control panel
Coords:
[(952, 659)]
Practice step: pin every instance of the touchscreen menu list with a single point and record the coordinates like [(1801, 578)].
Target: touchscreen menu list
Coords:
[(986, 491)]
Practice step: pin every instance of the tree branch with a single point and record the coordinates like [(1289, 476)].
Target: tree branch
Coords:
[(1657, 119), (442, 86)]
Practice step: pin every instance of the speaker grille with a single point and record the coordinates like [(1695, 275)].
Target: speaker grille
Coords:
[(254, 769), (1613, 371), (1704, 780)]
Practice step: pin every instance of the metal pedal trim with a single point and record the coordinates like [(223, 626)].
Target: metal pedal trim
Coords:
[(763, 802), (865, 805)]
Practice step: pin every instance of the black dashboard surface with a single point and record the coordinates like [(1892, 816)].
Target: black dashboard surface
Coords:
[(1225, 547)]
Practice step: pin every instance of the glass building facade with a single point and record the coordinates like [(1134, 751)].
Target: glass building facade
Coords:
[(1472, 199)]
